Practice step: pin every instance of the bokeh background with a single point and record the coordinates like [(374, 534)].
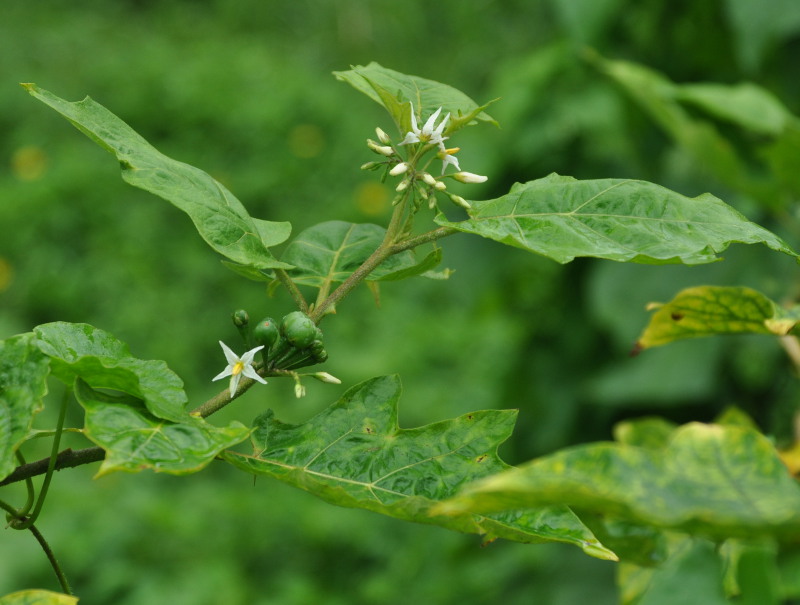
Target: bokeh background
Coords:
[(243, 89)]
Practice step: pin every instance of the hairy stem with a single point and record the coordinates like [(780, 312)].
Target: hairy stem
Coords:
[(294, 291)]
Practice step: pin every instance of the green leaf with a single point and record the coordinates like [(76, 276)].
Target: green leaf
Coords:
[(103, 361), (622, 220), (710, 310), (23, 384), (746, 105), (394, 90), (354, 454), (659, 97), (717, 480), (692, 574), (37, 597), (219, 217), (134, 440), (329, 252)]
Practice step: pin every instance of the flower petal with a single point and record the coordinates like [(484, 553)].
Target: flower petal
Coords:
[(247, 358), (226, 372), (235, 378), (229, 355), (250, 372)]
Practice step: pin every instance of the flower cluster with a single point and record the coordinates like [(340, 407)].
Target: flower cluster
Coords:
[(431, 135)]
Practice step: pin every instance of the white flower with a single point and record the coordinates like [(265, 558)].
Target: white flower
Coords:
[(469, 177), (428, 133), (238, 366), (448, 156)]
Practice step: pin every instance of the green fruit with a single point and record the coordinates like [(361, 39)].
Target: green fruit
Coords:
[(266, 332), (298, 329)]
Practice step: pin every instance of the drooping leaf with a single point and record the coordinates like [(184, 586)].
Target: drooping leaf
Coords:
[(23, 384), (709, 310), (103, 361), (659, 98), (134, 440), (393, 90), (37, 597), (622, 220), (219, 217), (354, 454), (329, 252), (716, 480), (746, 105)]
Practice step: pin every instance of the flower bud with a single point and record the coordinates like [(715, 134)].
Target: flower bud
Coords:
[(240, 318), (299, 390), (440, 186), (468, 177), (382, 136), (428, 179), (460, 201), (370, 165), (383, 150), (402, 186), (401, 168), (325, 377)]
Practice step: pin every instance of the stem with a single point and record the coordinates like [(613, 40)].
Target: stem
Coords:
[(50, 465), (62, 579), (294, 291), (66, 459), (423, 238), (42, 542), (29, 486)]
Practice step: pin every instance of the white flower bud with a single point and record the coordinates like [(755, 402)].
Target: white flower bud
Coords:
[(460, 201), (468, 177), (401, 168), (325, 377), (370, 165), (440, 186), (429, 180), (402, 186), (299, 390), (382, 136), (383, 150)]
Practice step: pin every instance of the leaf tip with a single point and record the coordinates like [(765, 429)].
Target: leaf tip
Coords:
[(638, 347)]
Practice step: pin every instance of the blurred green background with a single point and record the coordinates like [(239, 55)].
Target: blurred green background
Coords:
[(243, 89)]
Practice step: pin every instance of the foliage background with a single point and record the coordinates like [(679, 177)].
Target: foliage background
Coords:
[(242, 89)]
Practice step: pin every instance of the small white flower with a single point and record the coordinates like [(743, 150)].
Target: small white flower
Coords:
[(428, 133), (468, 177), (448, 156), (401, 168), (238, 366)]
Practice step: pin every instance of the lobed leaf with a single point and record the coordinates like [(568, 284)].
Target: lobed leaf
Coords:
[(394, 90), (134, 440), (219, 217), (37, 597), (329, 252), (616, 219), (354, 454), (103, 361), (23, 384), (709, 310), (715, 480)]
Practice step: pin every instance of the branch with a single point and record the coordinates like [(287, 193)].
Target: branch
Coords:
[(67, 459)]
